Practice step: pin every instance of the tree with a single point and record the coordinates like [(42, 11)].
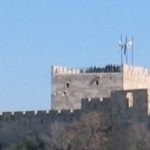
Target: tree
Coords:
[(89, 133)]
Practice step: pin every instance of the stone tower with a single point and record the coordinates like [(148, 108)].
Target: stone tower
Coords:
[(70, 85)]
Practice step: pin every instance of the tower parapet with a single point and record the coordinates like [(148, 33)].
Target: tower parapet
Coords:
[(64, 70), (135, 77), (70, 85)]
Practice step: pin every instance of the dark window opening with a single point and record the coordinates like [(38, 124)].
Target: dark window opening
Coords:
[(65, 93), (97, 82), (67, 85)]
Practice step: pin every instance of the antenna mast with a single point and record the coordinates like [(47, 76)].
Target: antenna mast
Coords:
[(132, 51), (121, 50), (124, 46), (126, 49)]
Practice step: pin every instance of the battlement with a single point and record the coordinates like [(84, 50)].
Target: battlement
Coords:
[(123, 104), (125, 68), (27, 114), (127, 99), (64, 70), (135, 77), (88, 105), (68, 70), (135, 71), (96, 104), (121, 93), (121, 107), (70, 85)]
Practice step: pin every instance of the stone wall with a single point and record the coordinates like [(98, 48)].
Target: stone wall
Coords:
[(15, 126), (129, 109), (69, 89), (18, 125), (123, 106), (135, 77), (69, 85), (130, 105)]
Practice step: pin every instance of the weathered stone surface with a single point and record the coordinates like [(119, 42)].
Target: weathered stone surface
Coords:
[(69, 86), (17, 125)]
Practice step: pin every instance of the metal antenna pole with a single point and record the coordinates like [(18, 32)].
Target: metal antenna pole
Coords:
[(121, 50), (132, 50), (126, 50)]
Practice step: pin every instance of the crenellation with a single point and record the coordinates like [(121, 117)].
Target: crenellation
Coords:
[(116, 106), (41, 113), (123, 109), (7, 114), (18, 114), (30, 114), (85, 103), (136, 71), (125, 96), (140, 100), (64, 70), (65, 116), (96, 104), (106, 101), (53, 115), (135, 77), (76, 112)]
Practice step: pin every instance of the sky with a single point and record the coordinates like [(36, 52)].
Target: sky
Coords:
[(36, 34)]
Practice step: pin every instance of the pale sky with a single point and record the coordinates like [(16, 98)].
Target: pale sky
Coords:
[(36, 34)]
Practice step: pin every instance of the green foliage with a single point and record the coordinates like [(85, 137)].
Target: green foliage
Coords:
[(93, 131), (89, 133), (29, 143), (107, 68)]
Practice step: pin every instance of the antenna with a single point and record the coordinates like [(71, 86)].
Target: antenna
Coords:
[(124, 46), (121, 49), (126, 49), (132, 51)]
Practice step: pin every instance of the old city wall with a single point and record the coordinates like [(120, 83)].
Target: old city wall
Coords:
[(15, 126), (130, 105), (69, 85), (135, 77), (124, 107), (128, 108), (68, 88)]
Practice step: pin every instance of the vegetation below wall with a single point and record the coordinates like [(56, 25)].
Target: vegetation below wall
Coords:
[(94, 131), (107, 68), (90, 132)]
